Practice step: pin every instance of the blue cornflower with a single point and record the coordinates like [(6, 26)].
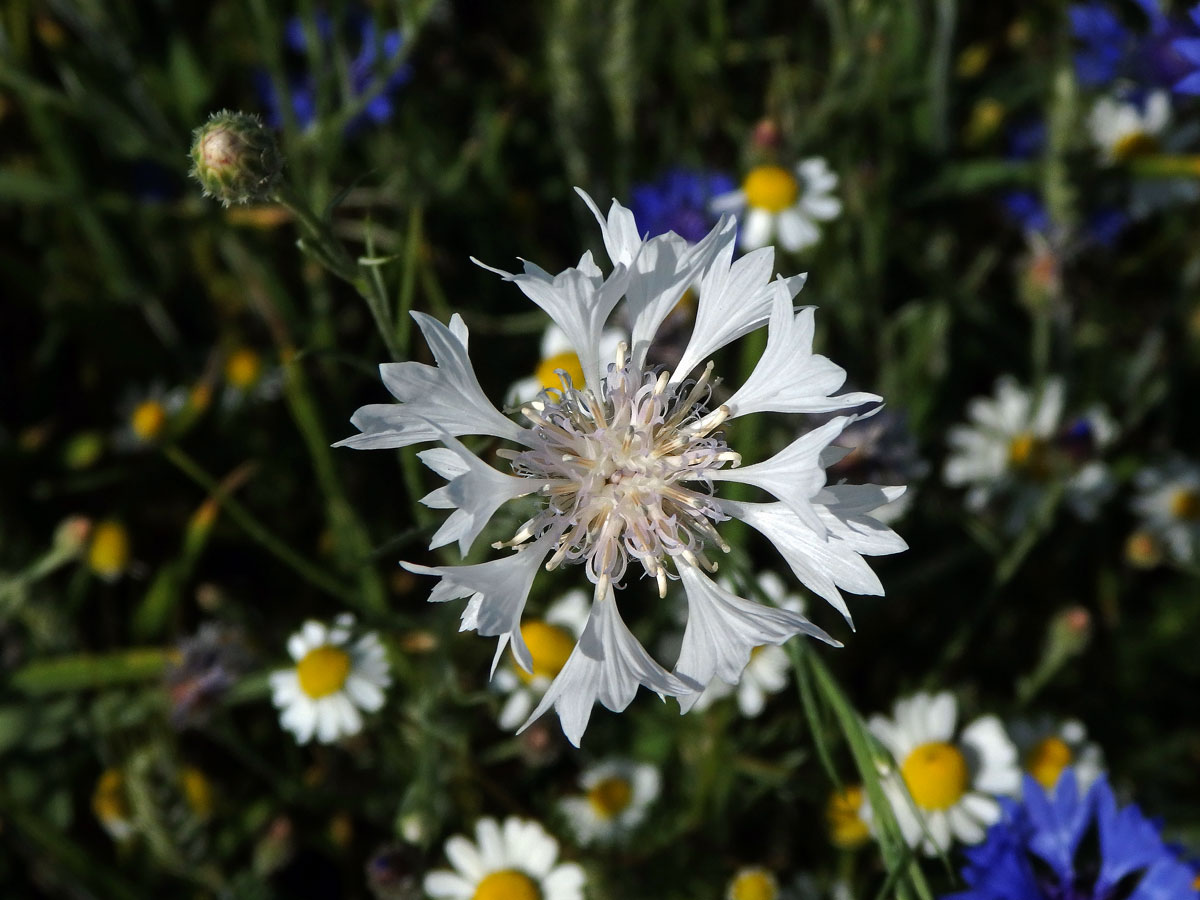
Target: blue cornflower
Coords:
[(1105, 42), (1060, 846), (1188, 49), (678, 201), (377, 52), (1026, 211)]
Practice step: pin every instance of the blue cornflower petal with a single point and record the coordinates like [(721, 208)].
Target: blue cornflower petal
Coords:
[(1188, 85), (1058, 821), (1026, 211), (678, 201)]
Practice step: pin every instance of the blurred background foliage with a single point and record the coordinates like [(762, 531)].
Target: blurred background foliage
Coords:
[(122, 283)]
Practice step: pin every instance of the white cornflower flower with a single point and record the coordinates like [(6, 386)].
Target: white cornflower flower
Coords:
[(1046, 746), (557, 355), (625, 469), (777, 205), (513, 861), (769, 668), (334, 677), (1168, 500), (617, 795), (1123, 130), (950, 780), (550, 641)]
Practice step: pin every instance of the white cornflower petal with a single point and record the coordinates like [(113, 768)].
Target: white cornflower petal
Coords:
[(497, 590), (723, 630), (622, 468), (822, 563), (794, 474), (607, 665), (790, 377), (735, 299), (448, 394), (579, 300), (474, 492)]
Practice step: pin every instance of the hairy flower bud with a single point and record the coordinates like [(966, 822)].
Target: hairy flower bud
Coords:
[(235, 158)]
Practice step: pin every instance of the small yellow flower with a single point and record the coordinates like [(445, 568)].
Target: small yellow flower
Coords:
[(108, 554), (197, 792), (110, 803), (243, 368), (843, 816), (753, 884)]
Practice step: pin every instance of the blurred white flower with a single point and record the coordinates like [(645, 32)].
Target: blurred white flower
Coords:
[(625, 469), (334, 677), (557, 355), (777, 205), (1016, 447), (1122, 130), (616, 796), (1047, 746), (513, 861), (1168, 501), (951, 777), (769, 669)]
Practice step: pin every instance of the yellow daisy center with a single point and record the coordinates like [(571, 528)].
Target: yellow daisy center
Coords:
[(199, 397), (772, 188), (1185, 504), (243, 368), (197, 792), (323, 671), (754, 884), (1143, 550), (846, 827), (1134, 145), (507, 884), (547, 370), (1029, 453), (148, 419), (610, 796), (1047, 759), (108, 554), (936, 775), (109, 802), (549, 645)]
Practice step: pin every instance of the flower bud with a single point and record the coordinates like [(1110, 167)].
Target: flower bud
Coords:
[(235, 158)]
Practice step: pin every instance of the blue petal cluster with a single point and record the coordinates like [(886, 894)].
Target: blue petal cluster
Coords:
[(1164, 53), (1188, 49), (1061, 846), (372, 71), (678, 201)]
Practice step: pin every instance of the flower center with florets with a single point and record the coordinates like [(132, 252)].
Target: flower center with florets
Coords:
[(627, 471)]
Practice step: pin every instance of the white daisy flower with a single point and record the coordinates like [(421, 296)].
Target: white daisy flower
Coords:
[(950, 779), (769, 669), (753, 883), (1047, 746), (1168, 500), (557, 355), (1123, 130), (1016, 446), (617, 795), (513, 861), (624, 469), (776, 205), (146, 417), (550, 642), (846, 819), (334, 677)]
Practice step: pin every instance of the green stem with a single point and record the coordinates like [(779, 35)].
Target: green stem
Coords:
[(257, 531)]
